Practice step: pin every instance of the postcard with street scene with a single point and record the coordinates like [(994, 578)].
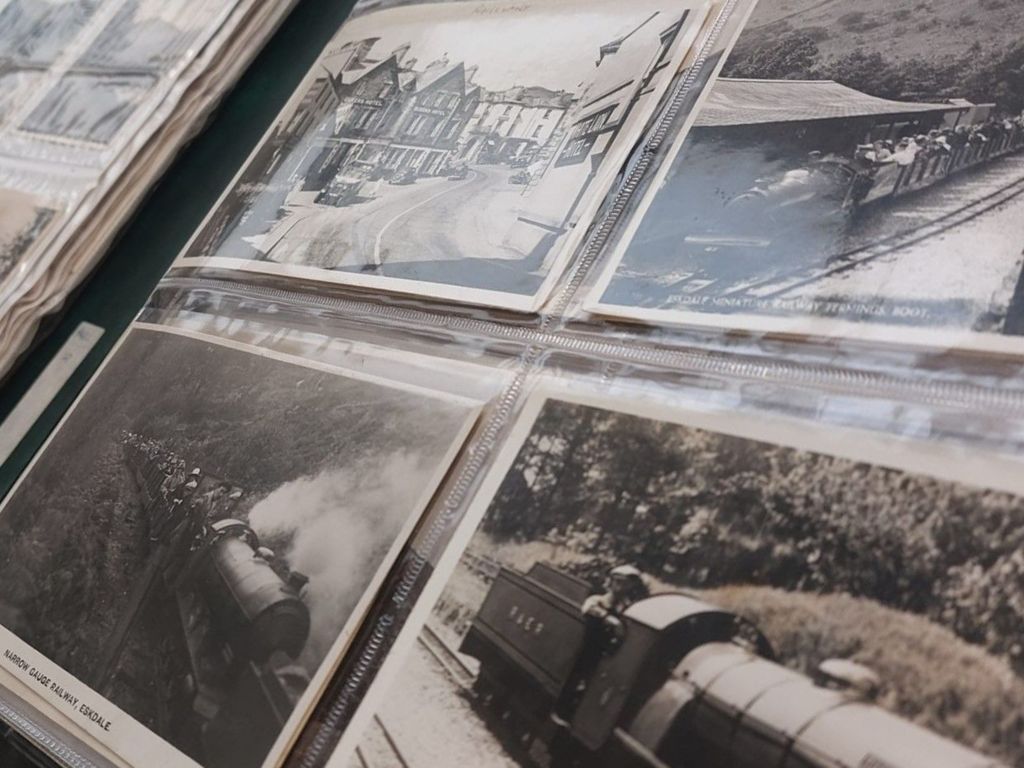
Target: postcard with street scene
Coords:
[(185, 562), (853, 171), (651, 588), (454, 150)]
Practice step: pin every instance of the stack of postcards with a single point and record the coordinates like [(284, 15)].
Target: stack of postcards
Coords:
[(96, 96), (558, 384)]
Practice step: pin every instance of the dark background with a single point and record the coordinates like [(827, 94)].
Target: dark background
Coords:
[(151, 240)]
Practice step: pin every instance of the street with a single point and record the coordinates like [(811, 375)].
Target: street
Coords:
[(432, 229)]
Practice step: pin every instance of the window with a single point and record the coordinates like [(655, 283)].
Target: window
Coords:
[(366, 118), (547, 113), (583, 137), (415, 124), (508, 110), (536, 131)]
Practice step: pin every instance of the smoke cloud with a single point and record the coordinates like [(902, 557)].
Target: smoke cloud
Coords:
[(341, 524)]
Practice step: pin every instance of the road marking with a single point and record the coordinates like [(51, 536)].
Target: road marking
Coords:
[(380, 235)]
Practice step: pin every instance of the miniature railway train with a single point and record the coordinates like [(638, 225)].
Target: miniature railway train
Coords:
[(688, 686), (239, 609), (840, 186)]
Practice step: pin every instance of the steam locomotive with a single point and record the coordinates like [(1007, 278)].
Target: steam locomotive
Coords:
[(817, 198), (688, 685), (240, 613)]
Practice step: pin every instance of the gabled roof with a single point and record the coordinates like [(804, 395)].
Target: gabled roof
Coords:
[(434, 74), (350, 76), (735, 101)]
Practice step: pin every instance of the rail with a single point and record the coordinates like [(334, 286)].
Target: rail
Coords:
[(449, 660), (482, 566), (394, 758)]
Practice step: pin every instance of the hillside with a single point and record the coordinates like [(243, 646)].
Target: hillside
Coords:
[(910, 50), (905, 29)]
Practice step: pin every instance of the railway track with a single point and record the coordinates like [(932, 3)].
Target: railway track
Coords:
[(379, 749), (777, 286), (448, 659), (481, 565)]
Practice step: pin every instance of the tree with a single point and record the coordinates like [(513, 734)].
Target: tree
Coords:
[(790, 57)]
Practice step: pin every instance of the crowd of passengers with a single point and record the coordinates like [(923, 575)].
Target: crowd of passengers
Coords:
[(938, 142)]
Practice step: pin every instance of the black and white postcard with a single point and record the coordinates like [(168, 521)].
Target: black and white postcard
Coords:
[(455, 150), (643, 586), (854, 171), (186, 561)]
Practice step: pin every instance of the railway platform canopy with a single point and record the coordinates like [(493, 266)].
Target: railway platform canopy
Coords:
[(741, 102)]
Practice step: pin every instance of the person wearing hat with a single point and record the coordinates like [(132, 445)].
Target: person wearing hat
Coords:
[(603, 632), (624, 587)]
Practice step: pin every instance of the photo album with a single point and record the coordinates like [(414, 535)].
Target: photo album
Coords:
[(96, 99), (477, 423)]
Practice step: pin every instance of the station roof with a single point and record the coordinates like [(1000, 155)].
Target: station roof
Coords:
[(735, 101)]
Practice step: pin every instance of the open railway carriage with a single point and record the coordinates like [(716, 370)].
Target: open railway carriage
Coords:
[(688, 686)]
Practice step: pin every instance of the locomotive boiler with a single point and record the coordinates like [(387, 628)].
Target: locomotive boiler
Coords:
[(687, 685), (256, 610)]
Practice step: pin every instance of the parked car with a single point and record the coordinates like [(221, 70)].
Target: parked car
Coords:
[(459, 173), (404, 176), (520, 177)]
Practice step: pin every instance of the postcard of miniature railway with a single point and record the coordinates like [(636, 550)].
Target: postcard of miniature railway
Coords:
[(645, 588), (452, 149), (184, 560), (857, 169)]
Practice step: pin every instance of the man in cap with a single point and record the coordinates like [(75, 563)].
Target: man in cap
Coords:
[(603, 633), (625, 586)]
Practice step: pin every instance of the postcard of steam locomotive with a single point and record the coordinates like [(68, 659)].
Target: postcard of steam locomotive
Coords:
[(187, 558), (853, 171), (636, 586), (452, 150)]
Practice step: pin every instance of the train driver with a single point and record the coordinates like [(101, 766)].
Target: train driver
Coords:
[(624, 587), (603, 630)]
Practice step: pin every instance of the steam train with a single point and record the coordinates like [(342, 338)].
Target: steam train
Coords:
[(687, 685), (817, 198), (241, 618)]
